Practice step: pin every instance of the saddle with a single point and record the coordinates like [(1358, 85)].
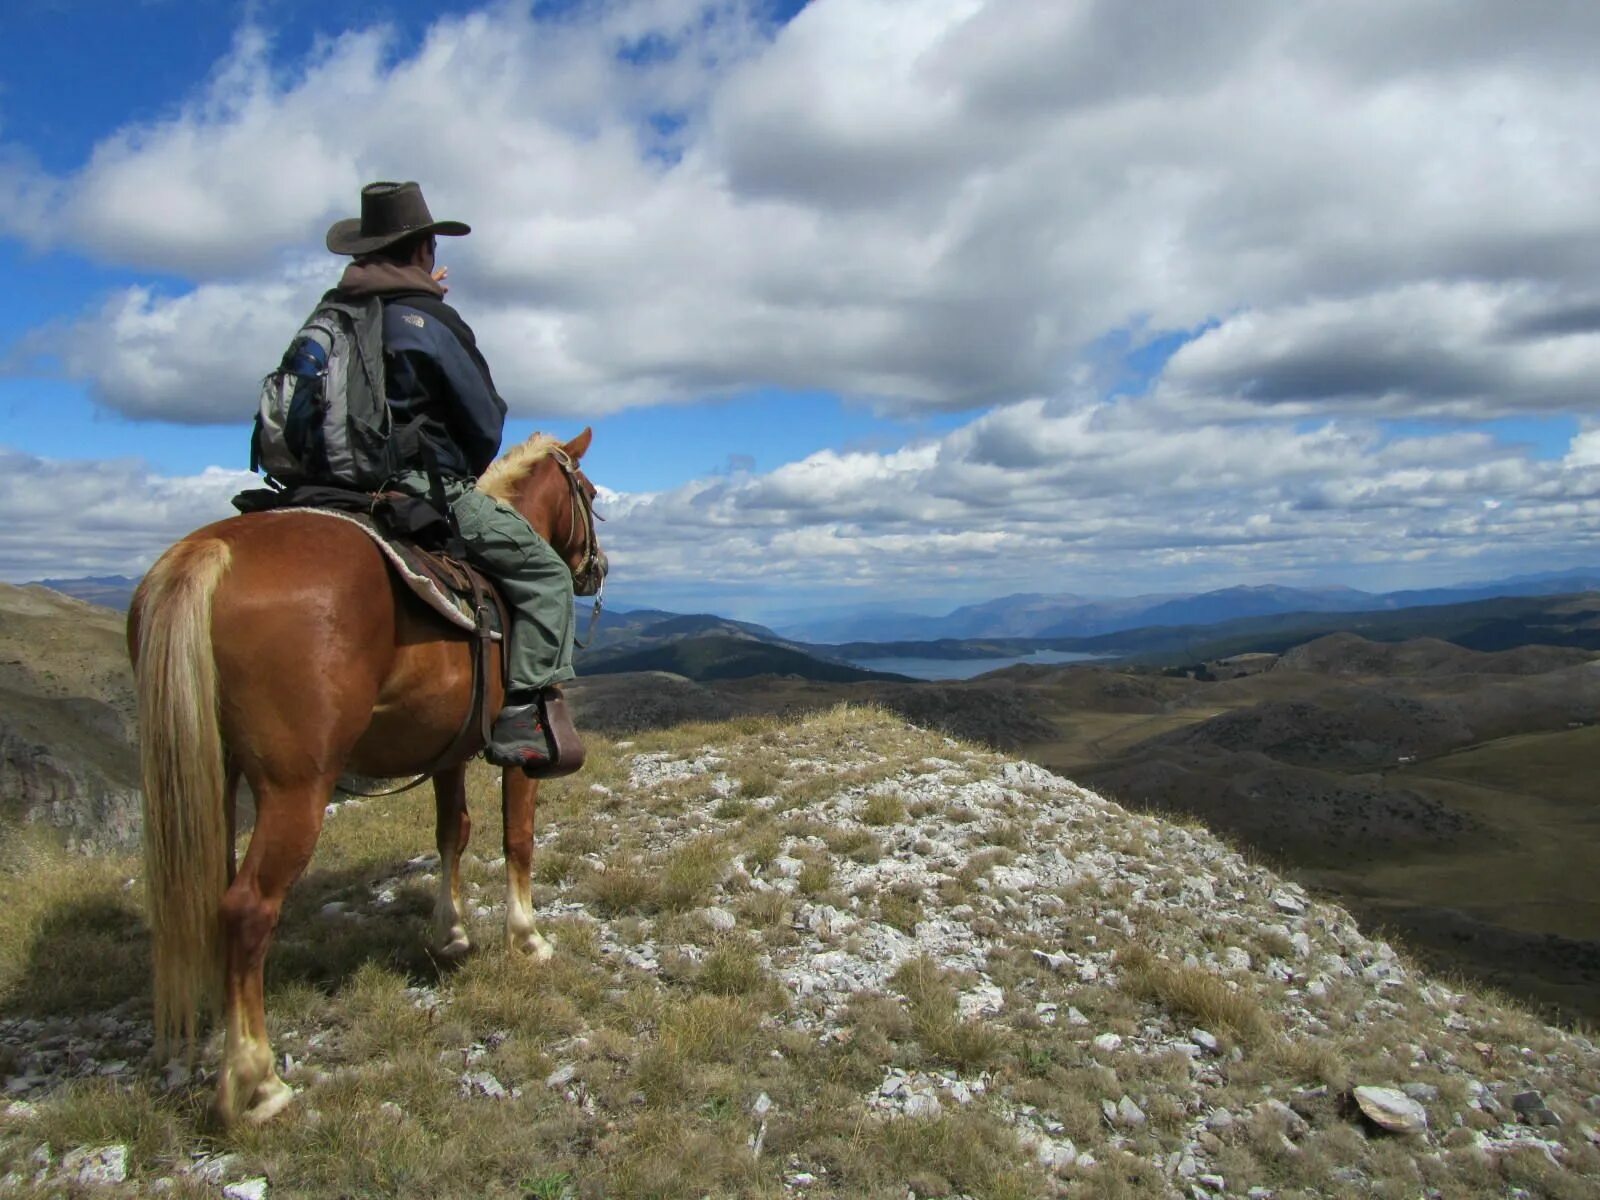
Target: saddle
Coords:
[(438, 575)]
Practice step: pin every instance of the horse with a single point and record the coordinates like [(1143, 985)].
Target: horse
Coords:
[(278, 647)]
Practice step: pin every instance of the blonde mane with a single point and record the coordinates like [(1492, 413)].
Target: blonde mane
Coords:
[(512, 467)]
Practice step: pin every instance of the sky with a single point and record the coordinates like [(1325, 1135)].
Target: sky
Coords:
[(910, 303)]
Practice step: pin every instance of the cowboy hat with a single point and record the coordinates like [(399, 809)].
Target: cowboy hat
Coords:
[(390, 212)]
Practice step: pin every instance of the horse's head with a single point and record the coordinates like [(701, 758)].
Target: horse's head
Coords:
[(542, 480)]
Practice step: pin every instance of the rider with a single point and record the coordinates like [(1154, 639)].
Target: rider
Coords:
[(439, 387)]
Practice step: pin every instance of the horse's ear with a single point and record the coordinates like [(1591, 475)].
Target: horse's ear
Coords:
[(579, 445)]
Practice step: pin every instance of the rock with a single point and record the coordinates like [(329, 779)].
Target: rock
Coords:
[(762, 1106), (481, 1083), (923, 1104), (983, 1000), (1235, 959), (1206, 1041), (1054, 960), (1532, 1110), (1107, 1043), (21, 1110), (96, 1166), (1391, 1109), (1284, 902), (561, 1076), (1426, 1093), (247, 1189), (214, 1170), (719, 919)]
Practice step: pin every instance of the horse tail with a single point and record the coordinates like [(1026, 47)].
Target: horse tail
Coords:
[(181, 760)]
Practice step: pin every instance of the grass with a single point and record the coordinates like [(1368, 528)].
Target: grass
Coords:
[(1195, 995), (660, 1067)]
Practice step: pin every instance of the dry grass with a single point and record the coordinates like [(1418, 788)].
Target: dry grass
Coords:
[(1195, 995)]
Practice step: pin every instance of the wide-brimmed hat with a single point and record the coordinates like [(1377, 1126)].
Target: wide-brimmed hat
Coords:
[(390, 212)]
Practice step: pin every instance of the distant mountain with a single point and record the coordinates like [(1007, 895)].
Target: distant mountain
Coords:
[(108, 591), (719, 656), (1065, 615)]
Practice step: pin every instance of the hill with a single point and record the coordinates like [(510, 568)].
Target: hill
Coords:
[(838, 957), (67, 755)]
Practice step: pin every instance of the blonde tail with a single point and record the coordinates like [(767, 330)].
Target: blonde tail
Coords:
[(181, 758)]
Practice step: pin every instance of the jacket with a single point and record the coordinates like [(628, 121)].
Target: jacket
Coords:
[(439, 387)]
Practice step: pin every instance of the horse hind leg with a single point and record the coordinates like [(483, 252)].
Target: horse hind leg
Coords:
[(288, 820), (453, 828), (519, 796)]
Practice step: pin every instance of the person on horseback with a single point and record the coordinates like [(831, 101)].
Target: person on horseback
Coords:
[(450, 420)]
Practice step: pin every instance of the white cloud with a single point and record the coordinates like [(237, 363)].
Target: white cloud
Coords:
[(106, 517), (933, 206)]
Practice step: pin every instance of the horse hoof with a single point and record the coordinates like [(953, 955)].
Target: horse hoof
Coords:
[(534, 946), (456, 949), (271, 1098)]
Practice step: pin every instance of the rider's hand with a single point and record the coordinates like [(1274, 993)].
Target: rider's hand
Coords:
[(439, 277)]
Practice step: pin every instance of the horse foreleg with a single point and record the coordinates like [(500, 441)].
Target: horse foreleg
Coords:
[(288, 820), (519, 795), (453, 828)]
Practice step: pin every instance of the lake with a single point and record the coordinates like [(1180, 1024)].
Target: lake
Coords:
[(966, 668)]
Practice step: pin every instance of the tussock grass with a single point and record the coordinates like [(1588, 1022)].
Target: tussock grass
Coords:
[(688, 873), (931, 1001), (1194, 994), (883, 808)]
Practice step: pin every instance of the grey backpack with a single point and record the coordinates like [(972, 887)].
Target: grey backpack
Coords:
[(324, 415)]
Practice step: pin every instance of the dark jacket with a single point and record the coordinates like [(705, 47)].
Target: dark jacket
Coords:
[(439, 386)]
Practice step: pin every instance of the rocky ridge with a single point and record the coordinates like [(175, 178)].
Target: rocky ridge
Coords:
[(1118, 995)]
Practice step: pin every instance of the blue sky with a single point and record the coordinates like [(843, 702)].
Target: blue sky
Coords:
[(911, 302)]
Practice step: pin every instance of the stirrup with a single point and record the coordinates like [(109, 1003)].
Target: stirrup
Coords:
[(566, 748)]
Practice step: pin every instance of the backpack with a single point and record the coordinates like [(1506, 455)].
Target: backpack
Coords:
[(324, 415)]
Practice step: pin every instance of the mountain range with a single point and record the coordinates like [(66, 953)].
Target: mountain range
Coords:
[(1040, 615)]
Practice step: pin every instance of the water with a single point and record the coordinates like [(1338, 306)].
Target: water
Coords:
[(965, 668)]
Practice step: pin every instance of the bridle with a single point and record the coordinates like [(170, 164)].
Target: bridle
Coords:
[(590, 577)]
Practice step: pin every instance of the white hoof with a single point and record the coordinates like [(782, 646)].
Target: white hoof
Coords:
[(271, 1098), (533, 945), (457, 947)]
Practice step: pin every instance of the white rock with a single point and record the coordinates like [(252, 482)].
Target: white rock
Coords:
[(923, 1104), (214, 1170), (719, 919), (1107, 1043), (96, 1166), (1392, 1109), (561, 1076), (247, 1189), (983, 1000), (481, 1083), (1286, 903)]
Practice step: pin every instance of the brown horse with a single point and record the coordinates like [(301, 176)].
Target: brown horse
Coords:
[(278, 647)]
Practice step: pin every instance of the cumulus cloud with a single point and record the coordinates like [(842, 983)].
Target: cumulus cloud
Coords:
[(939, 205), (1126, 500), (105, 517)]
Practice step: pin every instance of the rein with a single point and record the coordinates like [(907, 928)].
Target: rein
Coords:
[(588, 579)]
